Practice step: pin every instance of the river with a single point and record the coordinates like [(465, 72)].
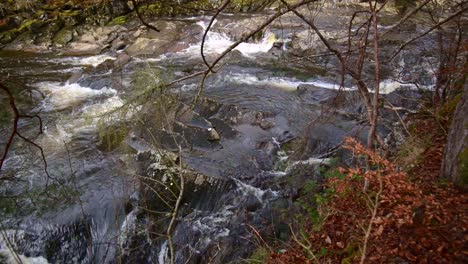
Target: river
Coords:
[(89, 211)]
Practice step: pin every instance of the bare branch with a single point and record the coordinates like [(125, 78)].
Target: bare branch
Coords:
[(135, 7), (15, 124), (243, 39), (406, 17), (427, 32), (220, 9)]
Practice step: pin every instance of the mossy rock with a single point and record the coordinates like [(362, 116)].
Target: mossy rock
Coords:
[(9, 36), (120, 20), (32, 25), (63, 37), (47, 33)]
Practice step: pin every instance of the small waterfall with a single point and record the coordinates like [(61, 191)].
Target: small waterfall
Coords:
[(217, 43)]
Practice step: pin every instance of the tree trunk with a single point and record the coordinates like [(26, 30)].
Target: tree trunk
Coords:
[(455, 163)]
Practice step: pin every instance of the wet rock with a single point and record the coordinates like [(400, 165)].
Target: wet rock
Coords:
[(213, 135), (121, 60), (405, 98), (145, 46), (75, 76), (266, 125), (63, 37), (207, 107), (192, 33), (252, 203), (177, 47), (225, 130), (22, 41), (105, 66), (314, 93), (304, 40), (80, 48), (47, 33), (238, 28), (229, 113), (102, 35), (119, 45)]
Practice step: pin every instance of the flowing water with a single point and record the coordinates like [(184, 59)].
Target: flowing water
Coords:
[(83, 218)]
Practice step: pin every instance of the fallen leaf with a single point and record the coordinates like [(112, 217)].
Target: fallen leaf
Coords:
[(379, 230)]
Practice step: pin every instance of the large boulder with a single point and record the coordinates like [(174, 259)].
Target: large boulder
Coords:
[(238, 28), (63, 37), (146, 46), (101, 35), (79, 48), (306, 40)]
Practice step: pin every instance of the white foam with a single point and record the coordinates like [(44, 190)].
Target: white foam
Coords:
[(389, 86), (107, 106), (289, 84), (12, 258), (128, 226), (92, 60), (257, 192), (62, 96), (217, 43), (162, 256)]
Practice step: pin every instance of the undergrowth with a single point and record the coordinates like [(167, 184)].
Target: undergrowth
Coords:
[(379, 215)]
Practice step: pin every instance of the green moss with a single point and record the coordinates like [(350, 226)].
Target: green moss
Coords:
[(70, 13), (30, 24), (8, 36), (64, 36), (463, 166), (120, 20), (111, 137), (449, 108), (260, 255)]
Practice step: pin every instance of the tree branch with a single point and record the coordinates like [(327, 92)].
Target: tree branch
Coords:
[(427, 32), (140, 17)]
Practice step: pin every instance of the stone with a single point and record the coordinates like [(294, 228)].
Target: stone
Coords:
[(63, 37), (266, 125), (121, 60), (75, 76), (213, 135), (80, 48), (145, 46)]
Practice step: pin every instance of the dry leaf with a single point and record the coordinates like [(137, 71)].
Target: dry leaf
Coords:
[(379, 231)]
